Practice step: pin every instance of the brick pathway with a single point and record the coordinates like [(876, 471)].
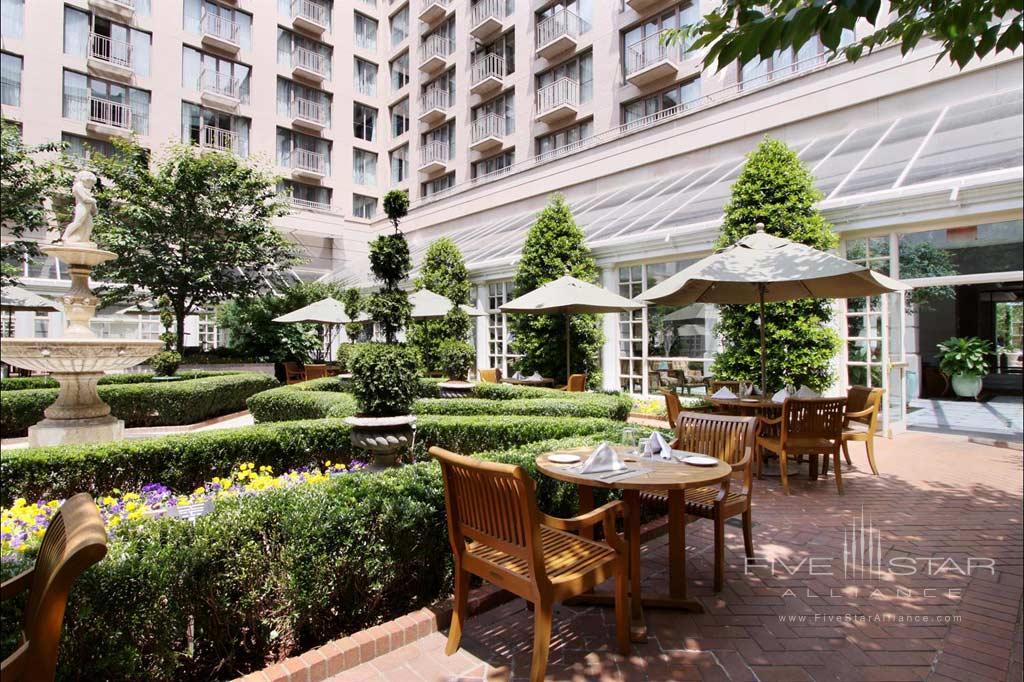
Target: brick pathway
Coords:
[(938, 496)]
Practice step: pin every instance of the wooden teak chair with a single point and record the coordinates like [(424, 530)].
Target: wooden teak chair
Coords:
[(490, 375), (293, 373), (863, 405), (730, 439), (577, 383), (315, 372), (808, 426), (496, 532), (672, 407), (75, 540)]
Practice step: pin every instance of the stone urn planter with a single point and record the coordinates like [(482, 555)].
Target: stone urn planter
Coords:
[(384, 438), (455, 389), (967, 385)]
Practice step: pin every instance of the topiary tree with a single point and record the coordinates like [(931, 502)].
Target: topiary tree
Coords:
[(354, 303), (555, 246), (776, 189), (444, 272)]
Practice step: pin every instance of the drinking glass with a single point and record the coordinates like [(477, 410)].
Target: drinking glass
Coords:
[(629, 440)]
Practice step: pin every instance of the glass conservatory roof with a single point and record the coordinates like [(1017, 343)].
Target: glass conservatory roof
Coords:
[(956, 141)]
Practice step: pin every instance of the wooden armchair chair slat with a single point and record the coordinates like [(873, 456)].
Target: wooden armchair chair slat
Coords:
[(491, 375), (497, 533), (75, 540), (863, 405), (807, 426), (294, 373), (577, 383), (672, 406), (730, 439), (315, 372)]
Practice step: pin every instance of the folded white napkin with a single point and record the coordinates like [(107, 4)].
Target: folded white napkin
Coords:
[(724, 394), (657, 446), (806, 392), (536, 376), (604, 458), (518, 376), (781, 396)]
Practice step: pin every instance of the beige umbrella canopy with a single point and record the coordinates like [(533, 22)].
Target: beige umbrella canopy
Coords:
[(762, 268), (569, 295), (16, 298), (326, 312), (427, 305)]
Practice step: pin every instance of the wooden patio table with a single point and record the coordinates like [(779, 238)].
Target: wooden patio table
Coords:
[(673, 477)]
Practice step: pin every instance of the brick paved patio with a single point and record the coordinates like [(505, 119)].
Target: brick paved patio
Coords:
[(938, 496)]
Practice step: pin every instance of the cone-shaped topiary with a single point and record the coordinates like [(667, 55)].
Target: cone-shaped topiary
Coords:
[(555, 246), (776, 189)]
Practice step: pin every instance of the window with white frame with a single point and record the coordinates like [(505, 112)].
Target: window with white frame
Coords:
[(12, 18), (400, 118), (364, 206), (399, 71), (399, 26), (400, 164), (10, 79), (365, 77), (437, 185), (207, 331), (41, 325), (365, 32), (364, 167), (499, 337), (364, 122), (865, 362), (294, 49)]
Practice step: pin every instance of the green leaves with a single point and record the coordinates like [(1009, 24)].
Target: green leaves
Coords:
[(384, 379), (964, 356), (444, 272)]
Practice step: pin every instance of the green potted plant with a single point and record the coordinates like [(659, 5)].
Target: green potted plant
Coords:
[(385, 376), (457, 359), (964, 361)]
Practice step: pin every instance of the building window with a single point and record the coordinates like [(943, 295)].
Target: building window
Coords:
[(499, 337), (295, 100), (364, 122), (95, 37), (12, 18), (502, 106), (83, 147), (444, 133), (642, 44), (295, 150), (787, 62), (677, 98), (400, 164), (365, 77), (41, 325), (10, 79), (319, 11), (399, 26), (579, 69), (364, 167), (399, 71), (504, 46), (400, 118), (294, 50), (445, 83), (205, 71), (365, 32), (214, 130), (565, 140), (111, 104), (311, 197), (363, 206), (437, 185), (207, 331), (494, 164), (228, 23)]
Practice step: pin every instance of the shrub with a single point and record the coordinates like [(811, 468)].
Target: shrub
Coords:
[(315, 399), (384, 379), (602, 406), (145, 403), (456, 358), (25, 383), (443, 271), (165, 363), (967, 356)]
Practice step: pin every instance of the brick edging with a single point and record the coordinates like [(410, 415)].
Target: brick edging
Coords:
[(361, 647)]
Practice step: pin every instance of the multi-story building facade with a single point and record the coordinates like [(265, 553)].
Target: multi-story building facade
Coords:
[(483, 108)]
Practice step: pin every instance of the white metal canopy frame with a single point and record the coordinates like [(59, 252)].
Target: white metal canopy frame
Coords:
[(761, 268), (568, 295)]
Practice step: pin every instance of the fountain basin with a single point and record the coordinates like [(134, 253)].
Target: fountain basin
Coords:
[(78, 355)]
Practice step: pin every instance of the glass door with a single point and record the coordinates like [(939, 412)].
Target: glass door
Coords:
[(894, 413)]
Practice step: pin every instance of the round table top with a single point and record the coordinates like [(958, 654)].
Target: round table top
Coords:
[(749, 403), (663, 475)]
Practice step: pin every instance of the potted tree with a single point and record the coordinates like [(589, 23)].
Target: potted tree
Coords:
[(385, 375), (456, 359), (964, 361)]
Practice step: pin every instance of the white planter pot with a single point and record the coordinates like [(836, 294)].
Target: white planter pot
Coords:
[(966, 385)]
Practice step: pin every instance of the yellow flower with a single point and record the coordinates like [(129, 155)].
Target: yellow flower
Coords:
[(114, 521), (109, 501)]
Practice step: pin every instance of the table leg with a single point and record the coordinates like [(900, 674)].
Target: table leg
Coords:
[(812, 467), (586, 498), (638, 628), (677, 544)]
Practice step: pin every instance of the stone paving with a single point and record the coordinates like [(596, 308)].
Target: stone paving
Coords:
[(1001, 418), (923, 613)]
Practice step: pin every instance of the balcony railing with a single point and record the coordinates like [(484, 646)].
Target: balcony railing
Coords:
[(435, 152), (113, 114), (309, 161), (309, 60), (310, 11), (488, 66), (435, 46), (649, 51), (435, 98), (220, 27), (489, 9), (308, 110), (212, 137), (309, 205), (116, 52), (488, 125), (220, 83), (562, 93), (561, 23)]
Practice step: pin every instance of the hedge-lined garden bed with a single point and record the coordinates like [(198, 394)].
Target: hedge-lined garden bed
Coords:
[(142, 402), (26, 383)]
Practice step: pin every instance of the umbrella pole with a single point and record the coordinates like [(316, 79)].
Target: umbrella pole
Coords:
[(764, 370), (568, 350)]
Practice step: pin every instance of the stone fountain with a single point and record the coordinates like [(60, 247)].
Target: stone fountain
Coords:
[(79, 359)]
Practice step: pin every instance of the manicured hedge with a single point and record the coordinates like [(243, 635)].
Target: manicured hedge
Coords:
[(25, 383), (586, 405), (146, 403)]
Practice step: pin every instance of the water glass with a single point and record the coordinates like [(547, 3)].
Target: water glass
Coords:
[(629, 440)]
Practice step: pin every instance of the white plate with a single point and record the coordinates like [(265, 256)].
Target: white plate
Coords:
[(563, 458), (749, 400), (700, 461)]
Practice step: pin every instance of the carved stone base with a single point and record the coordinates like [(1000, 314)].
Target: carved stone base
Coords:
[(75, 431), (455, 389), (383, 437)]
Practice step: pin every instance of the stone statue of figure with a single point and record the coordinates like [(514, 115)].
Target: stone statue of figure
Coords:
[(79, 230)]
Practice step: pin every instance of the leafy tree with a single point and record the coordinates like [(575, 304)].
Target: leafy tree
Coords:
[(555, 246), (390, 262), (26, 183), (196, 227), (776, 189), (924, 259), (355, 304), (443, 272), (742, 30)]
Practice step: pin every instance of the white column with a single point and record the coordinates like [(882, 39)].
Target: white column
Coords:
[(482, 339), (609, 351)]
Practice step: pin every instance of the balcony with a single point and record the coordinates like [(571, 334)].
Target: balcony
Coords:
[(559, 33), (308, 114), (120, 8), (648, 60), (216, 139), (309, 15), (220, 32), (219, 90), (109, 119), (487, 19), (434, 157), (434, 105), (434, 53), (487, 74), (434, 10), (108, 57), (308, 164), (559, 100), (309, 205), (309, 65), (641, 5), (487, 133)]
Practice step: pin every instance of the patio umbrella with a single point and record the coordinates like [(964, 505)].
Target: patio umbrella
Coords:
[(326, 312), (427, 305), (13, 299), (568, 295), (762, 268)]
